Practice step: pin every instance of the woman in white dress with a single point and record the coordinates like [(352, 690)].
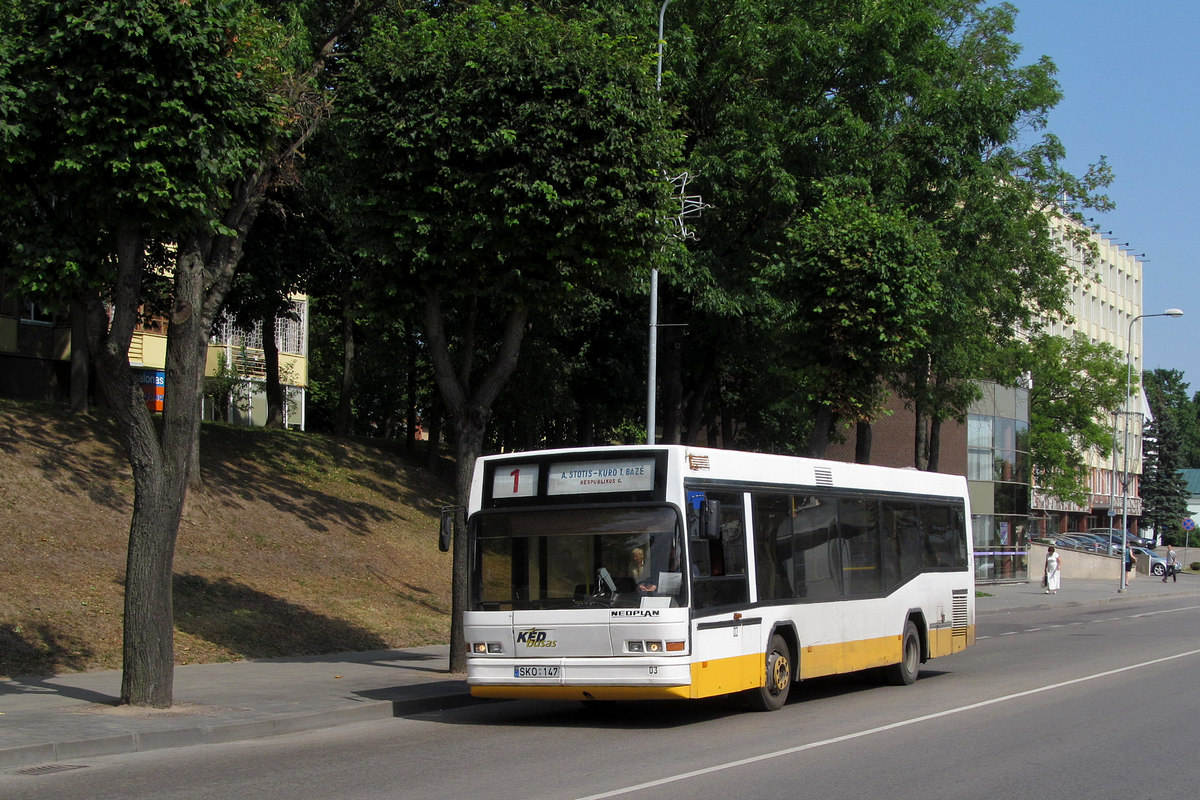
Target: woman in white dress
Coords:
[(1053, 571)]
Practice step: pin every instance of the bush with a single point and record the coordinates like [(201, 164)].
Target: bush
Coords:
[(1194, 566)]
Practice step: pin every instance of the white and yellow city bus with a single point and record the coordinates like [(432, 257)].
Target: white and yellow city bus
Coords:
[(654, 572)]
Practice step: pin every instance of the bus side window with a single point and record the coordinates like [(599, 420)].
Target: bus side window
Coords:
[(719, 566)]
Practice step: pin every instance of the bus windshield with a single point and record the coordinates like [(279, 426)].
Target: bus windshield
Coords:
[(619, 557)]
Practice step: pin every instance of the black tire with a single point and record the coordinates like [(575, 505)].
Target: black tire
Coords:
[(778, 665), (1158, 569), (905, 673)]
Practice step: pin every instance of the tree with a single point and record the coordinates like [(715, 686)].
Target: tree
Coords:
[(284, 249), (503, 157), (1167, 393), (902, 118), (154, 121), (1076, 386), (1163, 489), (993, 203)]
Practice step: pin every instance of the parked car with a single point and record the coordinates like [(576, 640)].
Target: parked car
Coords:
[(1114, 536), (1158, 564), (1081, 541)]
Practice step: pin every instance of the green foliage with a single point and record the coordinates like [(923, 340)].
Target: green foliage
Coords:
[(505, 154), (1077, 385), (850, 298), (831, 119), (1168, 441), (142, 109), (226, 388), (1163, 487)]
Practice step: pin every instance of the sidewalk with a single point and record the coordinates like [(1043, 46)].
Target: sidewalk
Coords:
[(49, 721)]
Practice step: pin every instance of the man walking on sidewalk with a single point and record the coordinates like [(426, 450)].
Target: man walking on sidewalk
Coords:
[(1172, 565)]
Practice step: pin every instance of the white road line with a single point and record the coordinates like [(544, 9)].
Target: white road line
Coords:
[(860, 734)]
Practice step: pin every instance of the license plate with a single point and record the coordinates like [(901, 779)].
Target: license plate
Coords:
[(535, 672)]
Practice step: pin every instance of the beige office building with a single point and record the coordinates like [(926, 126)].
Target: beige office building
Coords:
[(1104, 309)]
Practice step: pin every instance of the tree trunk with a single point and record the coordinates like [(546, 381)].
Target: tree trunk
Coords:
[(935, 445), (862, 443), (274, 387), (345, 412), (410, 413), (159, 467), (469, 408), (920, 437), (433, 441), (670, 362), (79, 358), (818, 440)]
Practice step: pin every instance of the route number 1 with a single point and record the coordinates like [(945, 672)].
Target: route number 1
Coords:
[(519, 481)]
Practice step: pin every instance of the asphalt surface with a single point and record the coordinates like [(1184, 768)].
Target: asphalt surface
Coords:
[(47, 722)]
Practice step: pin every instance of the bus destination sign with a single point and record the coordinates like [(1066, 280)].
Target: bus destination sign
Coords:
[(593, 477)]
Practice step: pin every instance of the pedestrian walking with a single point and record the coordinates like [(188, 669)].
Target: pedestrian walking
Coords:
[(1053, 576), (1172, 565), (1130, 564)]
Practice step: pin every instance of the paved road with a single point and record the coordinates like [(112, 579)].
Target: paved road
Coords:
[(49, 721)]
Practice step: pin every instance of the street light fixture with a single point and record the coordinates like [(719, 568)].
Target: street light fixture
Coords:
[(1170, 312)]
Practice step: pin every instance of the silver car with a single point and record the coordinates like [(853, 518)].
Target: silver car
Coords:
[(1158, 564)]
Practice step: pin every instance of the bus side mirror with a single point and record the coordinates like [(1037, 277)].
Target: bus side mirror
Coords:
[(710, 520), (446, 534)]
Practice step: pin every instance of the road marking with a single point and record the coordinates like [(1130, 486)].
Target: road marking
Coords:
[(742, 762), (1089, 622), (1165, 611)]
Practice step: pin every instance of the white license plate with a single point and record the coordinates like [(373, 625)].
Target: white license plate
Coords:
[(535, 672)]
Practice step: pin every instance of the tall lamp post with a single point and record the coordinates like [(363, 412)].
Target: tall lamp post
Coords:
[(652, 360), (1170, 312)]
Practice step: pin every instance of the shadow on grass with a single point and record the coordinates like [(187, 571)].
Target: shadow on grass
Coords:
[(79, 456), (233, 460), (257, 625), (317, 479), (39, 648)]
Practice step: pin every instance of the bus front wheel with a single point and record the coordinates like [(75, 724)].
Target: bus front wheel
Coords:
[(905, 673), (772, 695)]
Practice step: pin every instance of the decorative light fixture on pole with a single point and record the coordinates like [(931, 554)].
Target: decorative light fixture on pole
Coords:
[(1170, 312)]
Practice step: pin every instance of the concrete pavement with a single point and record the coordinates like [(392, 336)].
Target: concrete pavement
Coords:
[(47, 722)]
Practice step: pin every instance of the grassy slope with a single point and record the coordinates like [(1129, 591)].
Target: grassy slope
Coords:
[(300, 544)]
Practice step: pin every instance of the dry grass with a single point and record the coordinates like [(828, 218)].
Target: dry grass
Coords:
[(300, 544)]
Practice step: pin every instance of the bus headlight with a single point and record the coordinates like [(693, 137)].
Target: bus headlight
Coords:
[(481, 648)]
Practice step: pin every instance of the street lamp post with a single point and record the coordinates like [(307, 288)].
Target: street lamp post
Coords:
[(652, 359), (1170, 312)]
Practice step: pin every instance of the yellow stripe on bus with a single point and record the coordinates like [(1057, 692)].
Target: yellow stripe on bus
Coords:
[(582, 692), (737, 673)]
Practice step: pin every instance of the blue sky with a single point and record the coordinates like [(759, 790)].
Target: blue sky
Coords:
[(1130, 76)]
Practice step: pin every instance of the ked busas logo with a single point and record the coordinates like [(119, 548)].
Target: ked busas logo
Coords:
[(535, 638)]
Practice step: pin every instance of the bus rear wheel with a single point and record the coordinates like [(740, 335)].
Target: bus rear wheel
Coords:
[(773, 694), (905, 673)]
